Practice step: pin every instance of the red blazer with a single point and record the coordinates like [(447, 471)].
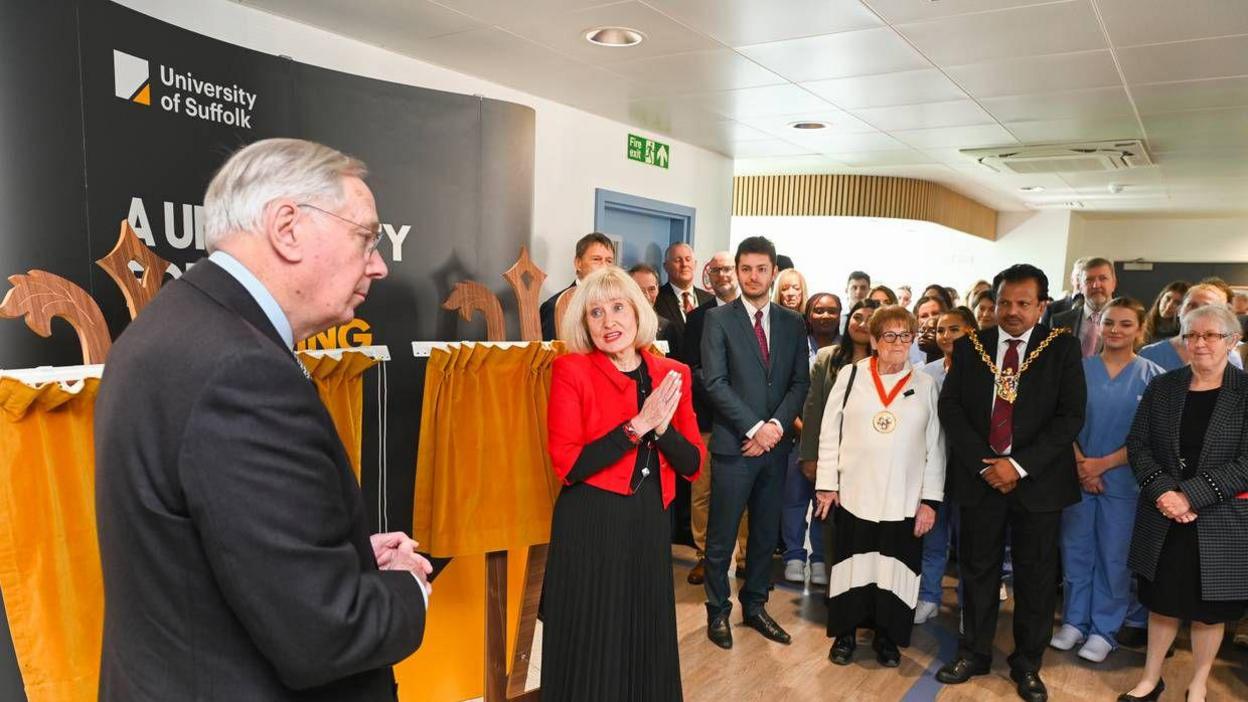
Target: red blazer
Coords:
[(589, 398)]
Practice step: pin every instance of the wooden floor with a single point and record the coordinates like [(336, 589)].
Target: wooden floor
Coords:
[(756, 669)]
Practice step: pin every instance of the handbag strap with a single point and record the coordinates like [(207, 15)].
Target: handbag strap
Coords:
[(853, 373)]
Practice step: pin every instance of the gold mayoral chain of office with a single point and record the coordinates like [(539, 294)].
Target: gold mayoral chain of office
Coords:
[(1006, 382)]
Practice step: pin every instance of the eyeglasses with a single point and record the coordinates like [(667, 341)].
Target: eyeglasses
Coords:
[(894, 337), (372, 235), (720, 270), (1207, 337)]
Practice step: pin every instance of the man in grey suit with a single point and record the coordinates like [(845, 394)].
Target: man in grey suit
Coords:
[(1097, 284), (237, 560), (755, 363)]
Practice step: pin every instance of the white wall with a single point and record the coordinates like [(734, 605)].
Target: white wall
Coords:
[(1179, 239), (897, 251), (576, 151)]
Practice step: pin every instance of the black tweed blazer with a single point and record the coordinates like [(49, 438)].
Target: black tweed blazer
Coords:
[(1222, 517)]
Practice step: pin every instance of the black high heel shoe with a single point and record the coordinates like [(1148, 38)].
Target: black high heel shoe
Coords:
[(1150, 697)]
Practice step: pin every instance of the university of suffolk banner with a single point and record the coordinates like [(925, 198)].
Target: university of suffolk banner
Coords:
[(109, 114)]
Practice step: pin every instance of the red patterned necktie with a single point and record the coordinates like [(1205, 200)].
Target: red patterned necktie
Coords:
[(1001, 431), (762, 337), (688, 302)]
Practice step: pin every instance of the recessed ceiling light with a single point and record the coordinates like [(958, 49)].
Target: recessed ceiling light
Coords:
[(614, 36), (808, 125), (1032, 188)]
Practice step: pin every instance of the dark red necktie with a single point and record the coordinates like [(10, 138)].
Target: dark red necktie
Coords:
[(762, 338), (1001, 431), (688, 302)]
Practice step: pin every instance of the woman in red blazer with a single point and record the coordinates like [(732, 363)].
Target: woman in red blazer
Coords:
[(621, 427)]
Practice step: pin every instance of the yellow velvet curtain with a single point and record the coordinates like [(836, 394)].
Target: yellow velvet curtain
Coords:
[(483, 477), (340, 384), (49, 555)]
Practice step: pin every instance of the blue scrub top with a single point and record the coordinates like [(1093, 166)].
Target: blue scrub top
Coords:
[(1110, 411), (1163, 354)]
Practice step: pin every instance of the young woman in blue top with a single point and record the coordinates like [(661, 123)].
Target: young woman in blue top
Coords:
[(1096, 532)]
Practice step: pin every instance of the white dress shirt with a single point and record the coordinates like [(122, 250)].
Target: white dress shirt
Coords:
[(680, 298), (766, 323), (1023, 349)]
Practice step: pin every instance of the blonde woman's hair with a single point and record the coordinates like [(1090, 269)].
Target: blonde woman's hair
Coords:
[(801, 286), (601, 285)]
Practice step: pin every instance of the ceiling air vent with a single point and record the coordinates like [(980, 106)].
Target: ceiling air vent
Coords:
[(1082, 157)]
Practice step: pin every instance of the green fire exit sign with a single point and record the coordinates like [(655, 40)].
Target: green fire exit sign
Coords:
[(655, 153)]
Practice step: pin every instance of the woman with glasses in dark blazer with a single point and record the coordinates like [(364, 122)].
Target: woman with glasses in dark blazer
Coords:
[(1188, 447)]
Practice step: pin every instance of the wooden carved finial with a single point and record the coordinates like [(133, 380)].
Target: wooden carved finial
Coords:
[(117, 264), (39, 296), (470, 296), (527, 293), (561, 306)]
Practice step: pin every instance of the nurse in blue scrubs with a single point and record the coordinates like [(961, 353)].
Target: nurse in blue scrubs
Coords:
[(1096, 532), (1172, 353)]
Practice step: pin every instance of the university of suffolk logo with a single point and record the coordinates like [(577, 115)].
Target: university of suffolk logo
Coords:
[(132, 79)]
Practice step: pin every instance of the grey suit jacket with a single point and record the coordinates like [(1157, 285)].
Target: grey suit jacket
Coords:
[(742, 388), (1072, 319), (1222, 517), (233, 538)]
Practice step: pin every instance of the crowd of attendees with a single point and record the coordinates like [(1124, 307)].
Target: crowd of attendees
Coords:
[(1100, 455)]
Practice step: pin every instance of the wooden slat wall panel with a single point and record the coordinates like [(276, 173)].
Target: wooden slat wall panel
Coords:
[(826, 195)]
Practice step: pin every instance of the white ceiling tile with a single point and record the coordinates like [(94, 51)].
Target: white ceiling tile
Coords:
[(505, 14), (1132, 22), (696, 72), (1204, 165), (1134, 180), (786, 99), (838, 123), (741, 22), (1026, 31), (1155, 98), (1203, 129), (673, 117), (771, 147), (983, 135), (897, 11), (787, 165), (1185, 60), (839, 55), (1046, 131), (887, 89), (1098, 102), (393, 24), (833, 143), (565, 33), (1037, 74), (867, 159), (954, 113)]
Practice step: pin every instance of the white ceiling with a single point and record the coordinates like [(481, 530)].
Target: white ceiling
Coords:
[(903, 83)]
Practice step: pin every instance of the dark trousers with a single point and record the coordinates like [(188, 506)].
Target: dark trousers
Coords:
[(739, 482), (1036, 554)]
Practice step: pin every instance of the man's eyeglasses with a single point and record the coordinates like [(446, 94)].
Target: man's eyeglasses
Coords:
[(720, 270), (1207, 337), (894, 337), (372, 235)]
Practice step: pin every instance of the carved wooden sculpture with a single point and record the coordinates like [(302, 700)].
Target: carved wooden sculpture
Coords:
[(561, 306), (39, 296), (470, 296), (526, 282), (117, 264)]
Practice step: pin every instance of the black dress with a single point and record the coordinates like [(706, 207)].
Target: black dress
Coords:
[(1176, 590), (609, 612)]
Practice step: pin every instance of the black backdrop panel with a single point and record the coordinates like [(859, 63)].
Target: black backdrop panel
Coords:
[(452, 174)]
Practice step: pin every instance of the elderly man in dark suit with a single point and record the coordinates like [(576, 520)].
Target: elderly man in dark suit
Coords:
[(1011, 407), (755, 365), (678, 297), (1097, 284), (1056, 307), (593, 251), (237, 561)]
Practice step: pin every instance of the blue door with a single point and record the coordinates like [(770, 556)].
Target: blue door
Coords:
[(641, 228)]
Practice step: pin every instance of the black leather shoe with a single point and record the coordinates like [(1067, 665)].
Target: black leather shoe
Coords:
[(959, 670), (842, 652), (1029, 685), (1150, 697), (718, 631), (886, 652), (765, 625)]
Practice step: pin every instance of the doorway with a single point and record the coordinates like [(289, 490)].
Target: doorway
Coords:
[(641, 228)]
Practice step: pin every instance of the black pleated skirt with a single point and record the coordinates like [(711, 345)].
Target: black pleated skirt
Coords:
[(609, 611), (874, 577)]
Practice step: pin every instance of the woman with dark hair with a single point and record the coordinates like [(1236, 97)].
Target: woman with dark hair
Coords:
[(1162, 320), (823, 323), (883, 295), (1096, 531), (940, 291), (927, 311), (985, 308)]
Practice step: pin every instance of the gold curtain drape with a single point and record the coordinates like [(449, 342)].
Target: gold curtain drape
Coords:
[(340, 384), (49, 555), (483, 477)]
